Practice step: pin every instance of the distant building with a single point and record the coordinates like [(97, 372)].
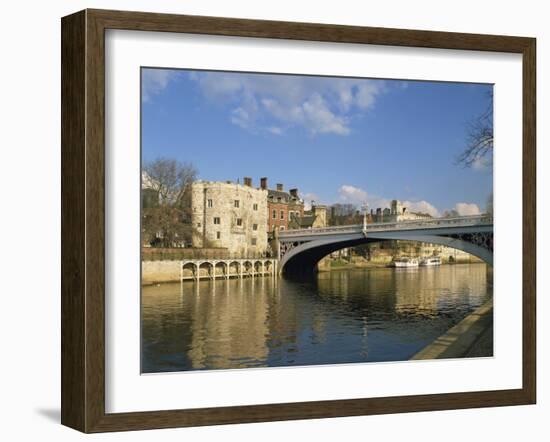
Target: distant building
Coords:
[(316, 217), (230, 215), (282, 206), (320, 214), (397, 212)]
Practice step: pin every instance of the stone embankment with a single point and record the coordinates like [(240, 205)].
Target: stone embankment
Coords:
[(358, 262), (161, 271), (471, 337), (161, 265)]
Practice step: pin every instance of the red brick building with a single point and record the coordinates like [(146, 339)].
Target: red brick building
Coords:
[(281, 206)]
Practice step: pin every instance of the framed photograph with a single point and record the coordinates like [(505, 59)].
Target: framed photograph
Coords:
[(269, 220)]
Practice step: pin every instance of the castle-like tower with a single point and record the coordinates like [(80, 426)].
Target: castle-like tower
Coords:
[(230, 215)]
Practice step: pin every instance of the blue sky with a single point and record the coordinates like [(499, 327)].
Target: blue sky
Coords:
[(335, 139)]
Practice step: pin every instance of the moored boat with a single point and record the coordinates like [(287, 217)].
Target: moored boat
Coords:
[(431, 261), (405, 261)]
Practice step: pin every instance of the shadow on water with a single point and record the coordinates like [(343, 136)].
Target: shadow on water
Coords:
[(301, 277)]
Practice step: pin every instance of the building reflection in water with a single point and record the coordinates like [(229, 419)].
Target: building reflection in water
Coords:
[(339, 317)]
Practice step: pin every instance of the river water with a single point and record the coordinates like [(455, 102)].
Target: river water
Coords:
[(343, 316)]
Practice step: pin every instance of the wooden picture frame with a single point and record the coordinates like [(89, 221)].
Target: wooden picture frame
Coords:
[(83, 220)]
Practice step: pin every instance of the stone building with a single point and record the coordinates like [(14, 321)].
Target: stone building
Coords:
[(316, 217), (384, 252), (397, 212), (320, 214), (282, 206), (230, 215)]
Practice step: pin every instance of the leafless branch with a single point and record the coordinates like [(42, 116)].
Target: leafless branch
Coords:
[(480, 141), (168, 221)]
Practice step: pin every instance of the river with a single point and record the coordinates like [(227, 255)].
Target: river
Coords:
[(343, 316)]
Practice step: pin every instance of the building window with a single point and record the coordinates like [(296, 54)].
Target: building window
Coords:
[(239, 222), (278, 199), (274, 214), (198, 224), (237, 203), (255, 206), (218, 235), (282, 214), (253, 241), (216, 220), (254, 226), (282, 227), (209, 204)]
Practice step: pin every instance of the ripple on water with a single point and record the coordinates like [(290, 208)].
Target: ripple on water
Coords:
[(367, 315)]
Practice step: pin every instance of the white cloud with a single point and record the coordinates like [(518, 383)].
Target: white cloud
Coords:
[(465, 209), (355, 195), (422, 207), (320, 119), (275, 130), (308, 198), (318, 105), (352, 194), (240, 117), (482, 164), (154, 81), (366, 94)]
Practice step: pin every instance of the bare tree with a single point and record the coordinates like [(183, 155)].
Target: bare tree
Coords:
[(167, 222), (479, 147), (452, 213), (344, 214), (170, 178)]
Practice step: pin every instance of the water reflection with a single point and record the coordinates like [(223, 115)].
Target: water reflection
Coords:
[(340, 317)]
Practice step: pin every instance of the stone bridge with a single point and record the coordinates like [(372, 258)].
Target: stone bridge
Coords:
[(299, 251)]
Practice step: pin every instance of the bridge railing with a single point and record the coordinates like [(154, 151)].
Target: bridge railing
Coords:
[(465, 221), (474, 220), (351, 228)]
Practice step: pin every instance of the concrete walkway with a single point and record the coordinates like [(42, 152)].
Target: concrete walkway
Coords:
[(471, 337)]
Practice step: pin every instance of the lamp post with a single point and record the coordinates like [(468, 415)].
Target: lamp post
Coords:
[(365, 214)]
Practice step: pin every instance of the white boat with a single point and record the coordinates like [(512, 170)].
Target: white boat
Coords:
[(431, 261), (405, 261)]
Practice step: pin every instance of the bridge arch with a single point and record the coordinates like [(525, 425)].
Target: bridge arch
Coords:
[(303, 258)]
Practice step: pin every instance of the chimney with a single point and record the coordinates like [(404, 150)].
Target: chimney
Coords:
[(279, 187), (263, 183), (247, 181), (294, 193)]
